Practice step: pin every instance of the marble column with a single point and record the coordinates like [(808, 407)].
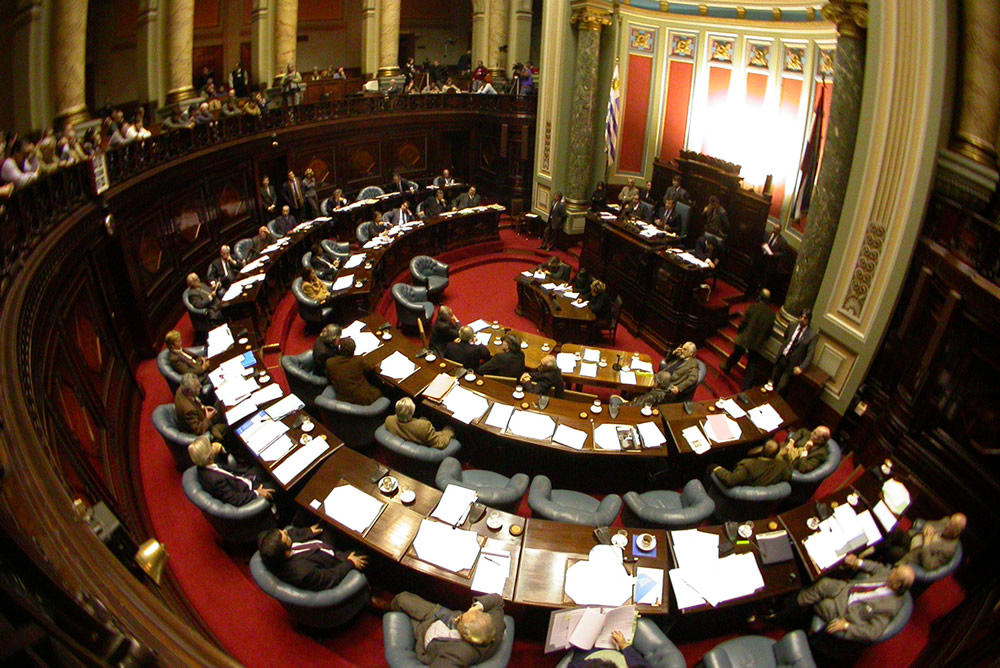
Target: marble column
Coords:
[(262, 57), (28, 42), (979, 107), (480, 32), (69, 59), (851, 19), (180, 45), (388, 52), (286, 33), (497, 42), (589, 21), (369, 38), (519, 35), (149, 52)]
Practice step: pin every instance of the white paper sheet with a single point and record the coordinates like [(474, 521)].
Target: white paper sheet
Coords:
[(269, 392), (452, 549), (867, 521), (397, 366), (351, 507), (281, 447), (651, 435), (721, 429), (579, 304), (241, 410), (588, 369), (765, 418), (219, 340), (531, 425), (342, 283), (692, 547), (606, 436), (464, 405), (355, 260), (483, 338), (453, 506), (696, 439), (570, 437), (492, 571), (286, 406), (591, 355), (499, 415), (885, 516), (566, 362), (300, 460), (479, 325), (601, 579), (626, 377), (638, 365), (352, 330), (732, 408), (365, 342)]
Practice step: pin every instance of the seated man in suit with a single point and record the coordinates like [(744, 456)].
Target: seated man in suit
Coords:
[(400, 184), (654, 397), (286, 222), (466, 200), (646, 194), (766, 469), (263, 239), (555, 269), (204, 297), (444, 180), (466, 351), (434, 205), (625, 194), (325, 347), (400, 215), (232, 486), (312, 287), (624, 654), (416, 430), (860, 609), (931, 547), (326, 269), (445, 329), (599, 302), (636, 208), (546, 379), (509, 362), (708, 249), (796, 352), (306, 558), (347, 375), (224, 268), (581, 283), (337, 199), (183, 361), (379, 224), (670, 220), (682, 367), (452, 638), (806, 450), (192, 415)]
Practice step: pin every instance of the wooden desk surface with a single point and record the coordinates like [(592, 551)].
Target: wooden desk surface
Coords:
[(678, 420), (559, 305)]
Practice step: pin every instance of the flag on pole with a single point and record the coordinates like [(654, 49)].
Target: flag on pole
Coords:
[(810, 159), (611, 123)]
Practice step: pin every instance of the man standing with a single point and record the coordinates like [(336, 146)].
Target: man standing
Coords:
[(796, 352), (716, 219), (450, 638), (557, 217), (768, 260), (676, 192), (293, 194), (269, 197), (238, 80), (752, 333)]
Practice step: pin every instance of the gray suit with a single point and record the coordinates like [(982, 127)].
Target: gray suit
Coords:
[(443, 653), (866, 619)]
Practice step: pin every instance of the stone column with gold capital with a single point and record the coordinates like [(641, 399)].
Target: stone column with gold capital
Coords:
[(851, 19), (388, 51), (286, 33), (497, 41), (589, 18), (69, 56), (979, 109), (180, 45)]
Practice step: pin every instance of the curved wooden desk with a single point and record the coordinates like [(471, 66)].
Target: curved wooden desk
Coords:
[(553, 312)]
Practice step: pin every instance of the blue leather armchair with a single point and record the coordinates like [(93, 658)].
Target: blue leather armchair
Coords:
[(430, 273), (272, 227), (235, 524), (821, 472), (654, 646), (897, 624), (314, 609), (412, 305), (355, 425), (564, 505), (369, 192), (365, 231), (310, 310), (199, 316), (303, 383), (177, 440), (792, 651), (397, 635), (335, 249), (494, 490), (418, 461), (924, 577), (242, 249), (745, 502), (669, 510), (172, 377)]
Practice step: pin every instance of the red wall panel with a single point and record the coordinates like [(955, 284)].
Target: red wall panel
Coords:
[(791, 91), (675, 116), (633, 139)]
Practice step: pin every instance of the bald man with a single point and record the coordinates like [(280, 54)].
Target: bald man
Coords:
[(547, 379), (807, 450), (466, 351), (931, 546), (450, 638), (683, 369)]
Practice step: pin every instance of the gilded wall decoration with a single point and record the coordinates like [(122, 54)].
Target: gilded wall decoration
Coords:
[(641, 40), (682, 46), (794, 58), (759, 55), (721, 49), (826, 61), (864, 269)]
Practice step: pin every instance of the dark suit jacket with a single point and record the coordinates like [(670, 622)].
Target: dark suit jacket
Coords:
[(314, 571), (544, 380), (755, 472), (717, 223), (557, 214), (403, 186), (269, 196), (288, 197), (439, 181), (561, 273), (218, 269), (814, 458), (469, 355), (191, 413), (755, 327), (463, 201), (600, 305), (323, 267), (285, 224), (258, 245), (226, 488), (321, 353), (642, 211), (671, 220), (443, 332), (394, 216), (432, 207), (347, 375), (509, 364), (202, 298), (185, 363), (779, 247), (801, 353), (449, 653)]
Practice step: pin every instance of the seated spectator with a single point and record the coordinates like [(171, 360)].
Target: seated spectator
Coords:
[(486, 89), (931, 547), (445, 329), (340, 73), (656, 396), (451, 638), (859, 608), (251, 107), (326, 346), (416, 430), (347, 375), (450, 87), (139, 130), (233, 486), (205, 297), (194, 416), (231, 108), (121, 135), (682, 367), (509, 362), (431, 88), (555, 269), (71, 151), (260, 99), (286, 222), (547, 379), (92, 142), (45, 153), (767, 469), (312, 287), (466, 351), (600, 302), (806, 451), (204, 115), (176, 121), (306, 558), (184, 361)]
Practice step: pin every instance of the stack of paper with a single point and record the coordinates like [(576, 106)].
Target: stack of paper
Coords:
[(626, 377), (483, 338), (352, 508), (251, 267), (885, 516), (267, 393), (479, 325), (732, 408), (364, 342), (715, 580), (765, 418), (591, 355), (233, 390), (342, 283), (499, 416), (638, 365), (492, 571), (354, 260), (579, 304), (566, 362), (692, 546), (590, 627), (570, 437), (397, 366), (261, 433), (353, 329), (286, 406), (300, 460), (219, 340), (531, 425), (588, 369), (696, 439), (721, 429), (439, 387), (464, 405), (601, 579), (452, 549), (651, 435), (453, 507), (281, 447), (241, 410)]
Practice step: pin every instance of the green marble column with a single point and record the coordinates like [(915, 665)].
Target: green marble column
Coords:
[(589, 21), (851, 18)]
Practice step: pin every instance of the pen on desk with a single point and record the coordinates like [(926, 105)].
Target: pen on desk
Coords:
[(492, 561)]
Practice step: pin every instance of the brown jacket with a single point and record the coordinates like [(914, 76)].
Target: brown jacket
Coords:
[(191, 413), (755, 472), (347, 375), (185, 362), (419, 431)]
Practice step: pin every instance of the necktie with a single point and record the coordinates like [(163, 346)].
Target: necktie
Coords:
[(795, 339), (296, 192), (311, 546)]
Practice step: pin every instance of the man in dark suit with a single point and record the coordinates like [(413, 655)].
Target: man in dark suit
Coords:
[(293, 194), (466, 351), (204, 297), (286, 222), (400, 185), (557, 218), (807, 450), (547, 379), (306, 558), (751, 335), (716, 219), (555, 269), (325, 268), (444, 179), (682, 367), (636, 208), (654, 397), (434, 205), (766, 469), (263, 239), (859, 609), (183, 361), (646, 195), (451, 638), (509, 362), (337, 199), (466, 200), (347, 375), (796, 352), (269, 197), (228, 485), (192, 415), (223, 268), (768, 260), (400, 215), (670, 220), (445, 329), (326, 346), (676, 192)]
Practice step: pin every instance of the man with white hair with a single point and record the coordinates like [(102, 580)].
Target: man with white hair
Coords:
[(683, 369), (194, 416), (451, 638), (232, 486), (807, 450), (416, 430), (223, 268)]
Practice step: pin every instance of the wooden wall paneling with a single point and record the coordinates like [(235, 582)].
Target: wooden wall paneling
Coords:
[(361, 163), (323, 161), (408, 154)]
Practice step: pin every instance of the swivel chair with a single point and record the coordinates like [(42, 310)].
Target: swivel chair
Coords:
[(418, 461), (430, 273), (494, 490), (744, 502), (654, 646), (302, 378), (354, 424), (792, 651), (234, 524), (397, 635), (564, 505), (666, 509), (310, 310), (177, 440), (412, 305)]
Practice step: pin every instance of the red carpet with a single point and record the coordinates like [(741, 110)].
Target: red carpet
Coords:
[(254, 629)]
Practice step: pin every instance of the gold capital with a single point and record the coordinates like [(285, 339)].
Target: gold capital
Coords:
[(590, 18), (850, 16)]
